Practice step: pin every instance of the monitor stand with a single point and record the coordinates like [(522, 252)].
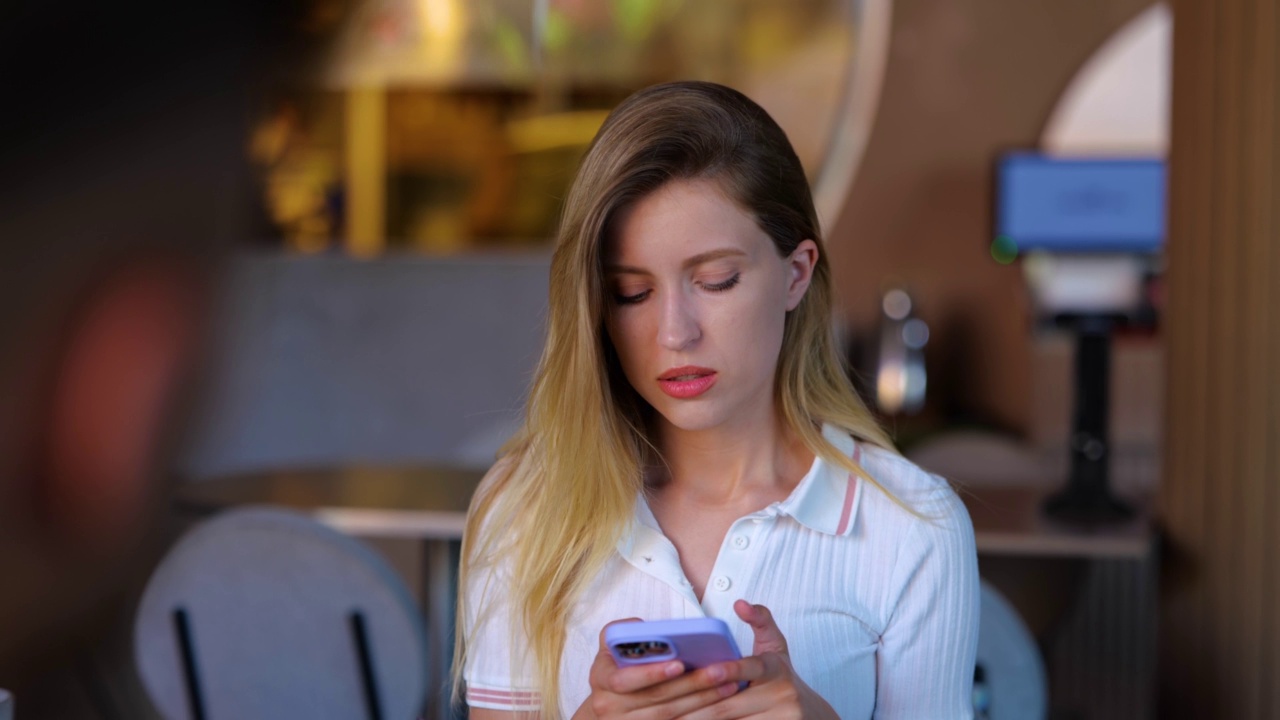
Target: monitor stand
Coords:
[(1087, 498)]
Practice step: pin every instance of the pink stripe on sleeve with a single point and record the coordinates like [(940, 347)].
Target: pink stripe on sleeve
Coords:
[(518, 699)]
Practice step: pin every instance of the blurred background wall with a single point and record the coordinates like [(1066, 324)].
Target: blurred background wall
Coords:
[(964, 81), (326, 360), (898, 109), (1220, 504)]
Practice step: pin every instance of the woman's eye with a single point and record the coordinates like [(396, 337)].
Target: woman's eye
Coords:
[(623, 299), (722, 285)]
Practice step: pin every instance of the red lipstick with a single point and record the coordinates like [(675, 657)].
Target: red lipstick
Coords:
[(686, 382)]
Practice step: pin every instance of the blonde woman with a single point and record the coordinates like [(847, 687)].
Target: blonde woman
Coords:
[(692, 447)]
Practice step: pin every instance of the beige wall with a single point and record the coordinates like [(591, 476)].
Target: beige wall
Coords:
[(1220, 500), (964, 79)]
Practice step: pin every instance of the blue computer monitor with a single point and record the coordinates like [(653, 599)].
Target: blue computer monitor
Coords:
[(1078, 205)]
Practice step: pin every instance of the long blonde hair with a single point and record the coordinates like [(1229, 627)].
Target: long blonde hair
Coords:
[(568, 482)]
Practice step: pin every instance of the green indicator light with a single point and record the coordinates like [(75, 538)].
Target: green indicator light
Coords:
[(1004, 250)]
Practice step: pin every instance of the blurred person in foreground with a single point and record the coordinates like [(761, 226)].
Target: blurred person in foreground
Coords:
[(122, 179), (693, 447)]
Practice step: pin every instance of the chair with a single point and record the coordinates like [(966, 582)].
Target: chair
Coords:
[(1012, 668), (263, 613)]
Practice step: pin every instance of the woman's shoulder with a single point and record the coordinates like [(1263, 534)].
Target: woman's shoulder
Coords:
[(488, 511), (498, 472), (498, 478), (929, 495)]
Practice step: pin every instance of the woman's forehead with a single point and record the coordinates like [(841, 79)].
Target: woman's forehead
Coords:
[(682, 221)]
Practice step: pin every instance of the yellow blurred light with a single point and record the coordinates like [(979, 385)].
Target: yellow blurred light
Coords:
[(439, 18), (891, 388), (442, 27)]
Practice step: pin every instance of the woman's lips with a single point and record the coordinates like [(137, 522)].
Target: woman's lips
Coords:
[(687, 382)]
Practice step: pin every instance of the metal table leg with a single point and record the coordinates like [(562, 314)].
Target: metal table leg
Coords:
[(440, 589)]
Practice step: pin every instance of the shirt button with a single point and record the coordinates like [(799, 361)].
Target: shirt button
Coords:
[(723, 583), (741, 542)]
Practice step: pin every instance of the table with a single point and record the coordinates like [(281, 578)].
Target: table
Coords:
[(428, 504), (1007, 520)]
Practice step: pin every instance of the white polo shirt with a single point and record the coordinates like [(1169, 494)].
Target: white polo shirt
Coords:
[(879, 607)]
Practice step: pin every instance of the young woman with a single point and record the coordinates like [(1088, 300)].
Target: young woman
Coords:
[(693, 447)]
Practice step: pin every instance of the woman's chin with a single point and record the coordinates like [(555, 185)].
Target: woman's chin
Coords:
[(691, 418)]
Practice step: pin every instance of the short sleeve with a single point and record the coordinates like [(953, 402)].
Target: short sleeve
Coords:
[(498, 667), (928, 650)]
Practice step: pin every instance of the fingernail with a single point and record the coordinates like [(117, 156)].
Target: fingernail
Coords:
[(673, 669), (727, 689), (716, 673)]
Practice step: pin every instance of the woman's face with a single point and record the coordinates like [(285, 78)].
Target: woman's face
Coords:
[(699, 296)]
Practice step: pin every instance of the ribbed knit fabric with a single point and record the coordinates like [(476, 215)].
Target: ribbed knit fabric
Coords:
[(879, 607)]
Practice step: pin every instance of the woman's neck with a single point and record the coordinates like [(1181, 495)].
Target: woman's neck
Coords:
[(731, 464)]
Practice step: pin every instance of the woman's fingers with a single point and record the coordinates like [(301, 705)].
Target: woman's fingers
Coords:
[(764, 698), (768, 638), (641, 692), (704, 694), (606, 675), (755, 668)]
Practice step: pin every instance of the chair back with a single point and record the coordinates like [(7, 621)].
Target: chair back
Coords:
[(1011, 666), (263, 613)]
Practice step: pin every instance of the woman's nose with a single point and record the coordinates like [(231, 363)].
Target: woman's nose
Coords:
[(678, 326)]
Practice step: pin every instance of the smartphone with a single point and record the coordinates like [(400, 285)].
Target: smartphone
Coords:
[(696, 642)]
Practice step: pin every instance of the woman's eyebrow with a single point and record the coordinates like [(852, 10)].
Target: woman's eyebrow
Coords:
[(711, 255), (694, 261)]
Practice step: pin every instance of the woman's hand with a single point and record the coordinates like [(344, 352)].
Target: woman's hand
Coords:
[(654, 691), (775, 691)]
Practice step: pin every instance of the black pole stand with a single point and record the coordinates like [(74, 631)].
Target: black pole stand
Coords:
[(1087, 498)]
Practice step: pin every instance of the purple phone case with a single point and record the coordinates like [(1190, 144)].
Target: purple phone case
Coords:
[(697, 642)]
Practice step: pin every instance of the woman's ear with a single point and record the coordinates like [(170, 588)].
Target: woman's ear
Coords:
[(800, 265), (124, 357)]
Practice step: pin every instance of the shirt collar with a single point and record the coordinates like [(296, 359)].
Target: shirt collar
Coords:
[(827, 498), (644, 546)]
